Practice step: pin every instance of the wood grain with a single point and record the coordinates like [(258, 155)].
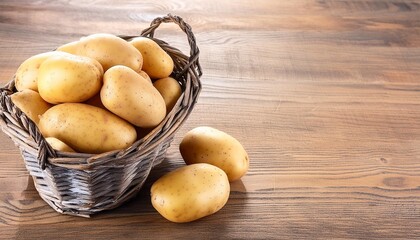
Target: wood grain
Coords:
[(324, 95)]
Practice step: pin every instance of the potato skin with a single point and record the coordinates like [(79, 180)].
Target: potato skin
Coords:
[(69, 78), (209, 145), (30, 103), (145, 76), (156, 62), (133, 98), (190, 192), (59, 145), (107, 49), (170, 90), (86, 128), (27, 73)]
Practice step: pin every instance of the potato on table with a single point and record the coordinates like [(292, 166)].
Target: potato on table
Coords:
[(190, 192), (209, 145)]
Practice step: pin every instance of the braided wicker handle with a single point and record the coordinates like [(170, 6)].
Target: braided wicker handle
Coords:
[(186, 28)]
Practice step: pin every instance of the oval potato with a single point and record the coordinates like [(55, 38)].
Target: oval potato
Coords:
[(190, 192), (132, 97), (156, 62), (86, 128), (145, 76), (59, 145), (209, 145), (27, 73), (107, 49), (30, 103), (69, 78), (170, 90)]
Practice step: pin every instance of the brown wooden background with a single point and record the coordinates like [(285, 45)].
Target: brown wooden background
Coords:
[(324, 95)]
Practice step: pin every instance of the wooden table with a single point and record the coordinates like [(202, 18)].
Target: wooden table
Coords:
[(324, 95)]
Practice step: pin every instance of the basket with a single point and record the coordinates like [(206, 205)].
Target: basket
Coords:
[(83, 184)]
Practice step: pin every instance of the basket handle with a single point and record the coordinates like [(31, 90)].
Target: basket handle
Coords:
[(186, 28)]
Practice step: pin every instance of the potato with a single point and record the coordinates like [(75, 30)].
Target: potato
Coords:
[(170, 90), (132, 97), (26, 75), (209, 145), (86, 128), (107, 49), (190, 192), (30, 103), (57, 144), (69, 78), (156, 62), (145, 76)]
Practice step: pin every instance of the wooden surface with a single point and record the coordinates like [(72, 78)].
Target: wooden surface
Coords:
[(324, 95)]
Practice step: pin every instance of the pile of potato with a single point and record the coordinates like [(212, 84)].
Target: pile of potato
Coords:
[(213, 158), (96, 94)]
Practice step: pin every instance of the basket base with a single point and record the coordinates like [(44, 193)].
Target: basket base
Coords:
[(84, 193)]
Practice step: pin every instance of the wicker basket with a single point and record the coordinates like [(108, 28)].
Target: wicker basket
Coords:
[(83, 184)]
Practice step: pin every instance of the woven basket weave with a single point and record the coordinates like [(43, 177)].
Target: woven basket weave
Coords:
[(83, 184)]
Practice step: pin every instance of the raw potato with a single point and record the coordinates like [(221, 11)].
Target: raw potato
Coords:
[(170, 90), (190, 192), (30, 103), (57, 144), (133, 98), (209, 145), (145, 76), (107, 49), (26, 75), (156, 62), (69, 78), (86, 128)]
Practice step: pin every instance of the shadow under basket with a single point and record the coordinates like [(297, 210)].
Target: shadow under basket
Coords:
[(83, 184)]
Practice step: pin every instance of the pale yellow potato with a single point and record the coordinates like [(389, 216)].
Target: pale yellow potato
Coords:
[(209, 145), (156, 62), (69, 78), (133, 98), (145, 76), (87, 129), (30, 103), (59, 145), (26, 75), (190, 192), (107, 49), (170, 90)]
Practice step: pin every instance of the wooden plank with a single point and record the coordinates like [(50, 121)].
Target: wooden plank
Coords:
[(324, 95)]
